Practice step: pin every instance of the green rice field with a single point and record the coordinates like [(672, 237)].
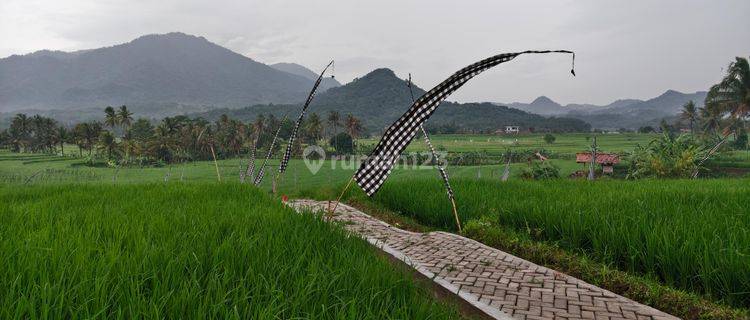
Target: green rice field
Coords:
[(190, 251), (567, 143), (690, 234)]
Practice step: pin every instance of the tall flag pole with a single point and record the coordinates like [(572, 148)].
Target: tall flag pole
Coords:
[(290, 145), (592, 165), (297, 124), (373, 172), (440, 167), (250, 172), (711, 152), (213, 154), (262, 170)]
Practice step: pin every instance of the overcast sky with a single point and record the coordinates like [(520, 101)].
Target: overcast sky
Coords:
[(625, 49)]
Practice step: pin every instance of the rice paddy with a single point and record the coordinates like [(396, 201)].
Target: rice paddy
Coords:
[(688, 234), (189, 251), (122, 258)]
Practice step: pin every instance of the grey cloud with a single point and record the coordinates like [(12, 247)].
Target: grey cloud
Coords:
[(625, 49)]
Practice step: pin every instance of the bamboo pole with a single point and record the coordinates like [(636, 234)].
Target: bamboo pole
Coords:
[(443, 174), (216, 164), (274, 182), (711, 152), (506, 172), (455, 214), (335, 205)]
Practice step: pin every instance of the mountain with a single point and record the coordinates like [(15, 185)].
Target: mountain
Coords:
[(668, 103), (623, 113), (380, 97), (299, 70), (173, 68), (541, 105)]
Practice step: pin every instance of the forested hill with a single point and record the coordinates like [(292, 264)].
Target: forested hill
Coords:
[(380, 97), (155, 70)]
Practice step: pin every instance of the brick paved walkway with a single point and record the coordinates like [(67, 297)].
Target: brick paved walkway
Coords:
[(500, 284)]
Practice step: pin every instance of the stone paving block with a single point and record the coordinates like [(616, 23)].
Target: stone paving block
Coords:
[(500, 284)]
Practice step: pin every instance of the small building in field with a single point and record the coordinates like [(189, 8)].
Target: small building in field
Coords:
[(606, 160), (512, 129)]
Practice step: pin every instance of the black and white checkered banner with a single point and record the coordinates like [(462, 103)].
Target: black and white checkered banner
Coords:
[(434, 154), (262, 170), (290, 145), (440, 167), (250, 172), (373, 172)]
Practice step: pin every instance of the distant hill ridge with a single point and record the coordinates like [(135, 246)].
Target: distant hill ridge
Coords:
[(300, 70), (380, 97), (623, 113), (168, 68)]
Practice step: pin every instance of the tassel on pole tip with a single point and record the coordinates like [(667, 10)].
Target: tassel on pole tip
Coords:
[(573, 65)]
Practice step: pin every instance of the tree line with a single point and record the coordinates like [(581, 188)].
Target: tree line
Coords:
[(726, 108), (121, 140)]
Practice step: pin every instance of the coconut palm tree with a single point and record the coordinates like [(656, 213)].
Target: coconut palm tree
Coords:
[(124, 117), (62, 137), (108, 142), (689, 113), (732, 94), (334, 120), (710, 118), (87, 134), (353, 127), (20, 130), (313, 128), (110, 117)]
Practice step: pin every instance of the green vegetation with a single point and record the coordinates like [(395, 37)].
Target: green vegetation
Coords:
[(568, 143), (541, 171), (687, 234), (528, 245), (550, 139), (189, 251), (119, 141), (667, 157)]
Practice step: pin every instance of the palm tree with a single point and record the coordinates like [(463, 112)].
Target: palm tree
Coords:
[(710, 118), (163, 144), (259, 124), (62, 137), (353, 127), (125, 117), (334, 120), (20, 129), (110, 117), (94, 129), (108, 142), (732, 94), (314, 128), (690, 113)]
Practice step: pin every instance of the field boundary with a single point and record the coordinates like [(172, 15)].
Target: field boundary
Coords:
[(502, 285)]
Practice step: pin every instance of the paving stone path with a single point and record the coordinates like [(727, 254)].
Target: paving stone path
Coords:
[(500, 284)]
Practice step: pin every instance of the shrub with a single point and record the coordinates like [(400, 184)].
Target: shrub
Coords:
[(540, 171), (666, 157), (549, 138)]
